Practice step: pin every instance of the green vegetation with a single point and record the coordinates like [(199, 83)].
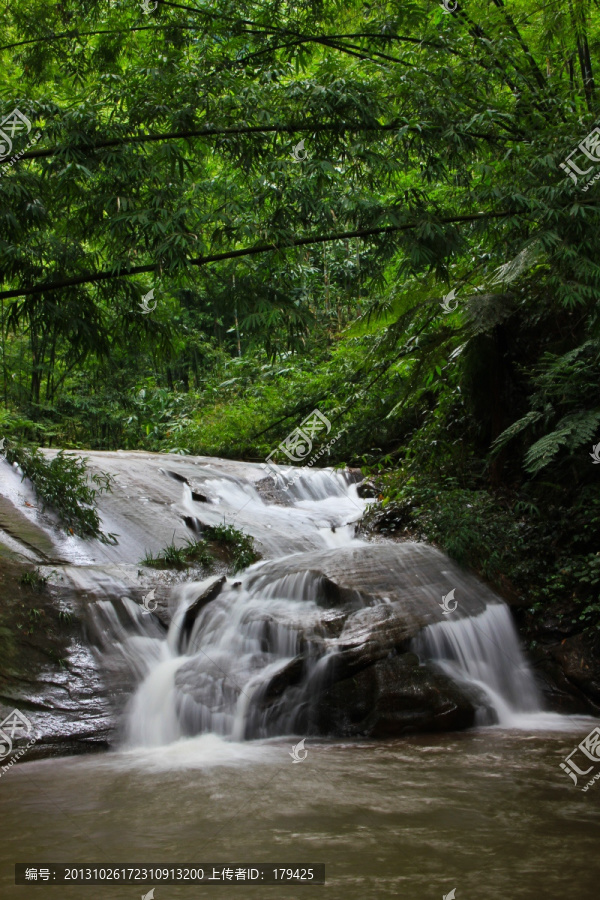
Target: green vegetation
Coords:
[(173, 557), (239, 547), (34, 579), (65, 618), (545, 552), (64, 484), (33, 619), (434, 145), (233, 546)]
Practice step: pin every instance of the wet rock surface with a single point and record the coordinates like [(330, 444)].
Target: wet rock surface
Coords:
[(211, 589), (47, 669), (392, 697), (569, 673)]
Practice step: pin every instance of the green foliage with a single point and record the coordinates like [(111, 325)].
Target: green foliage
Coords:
[(551, 558), (563, 387), (33, 618), (471, 526), (434, 148), (34, 579), (173, 557), (236, 547), (64, 484), (572, 431), (239, 546)]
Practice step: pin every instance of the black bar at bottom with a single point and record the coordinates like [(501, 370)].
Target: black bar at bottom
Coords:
[(172, 873)]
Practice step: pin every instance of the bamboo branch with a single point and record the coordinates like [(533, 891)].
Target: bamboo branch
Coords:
[(93, 277)]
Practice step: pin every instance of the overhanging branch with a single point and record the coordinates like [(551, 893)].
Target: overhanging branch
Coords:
[(94, 277), (301, 128)]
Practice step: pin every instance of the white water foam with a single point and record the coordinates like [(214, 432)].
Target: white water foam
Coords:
[(484, 651)]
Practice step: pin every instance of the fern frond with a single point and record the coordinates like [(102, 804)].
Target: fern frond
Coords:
[(516, 428), (571, 432)]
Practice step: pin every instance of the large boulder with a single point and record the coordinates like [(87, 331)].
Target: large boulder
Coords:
[(359, 610), (392, 697)]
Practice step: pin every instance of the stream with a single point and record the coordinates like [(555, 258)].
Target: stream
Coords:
[(214, 694)]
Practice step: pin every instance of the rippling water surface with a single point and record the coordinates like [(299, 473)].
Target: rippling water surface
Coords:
[(486, 812)]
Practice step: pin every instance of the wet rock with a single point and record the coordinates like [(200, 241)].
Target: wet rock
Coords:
[(194, 524), (410, 578), (354, 475), (47, 670), (271, 493), (175, 476), (290, 676), (567, 663), (211, 589), (367, 490), (27, 533), (560, 695), (393, 697), (579, 662)]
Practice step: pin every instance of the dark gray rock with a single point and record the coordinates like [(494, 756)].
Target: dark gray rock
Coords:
[(211, 590), (392, 697)]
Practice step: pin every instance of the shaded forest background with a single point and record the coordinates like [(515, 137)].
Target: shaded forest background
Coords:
[(430, 166)]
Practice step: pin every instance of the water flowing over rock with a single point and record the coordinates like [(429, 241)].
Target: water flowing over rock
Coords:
[(328, 634)]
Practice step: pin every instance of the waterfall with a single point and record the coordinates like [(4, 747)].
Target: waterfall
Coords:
[(484, 651), (252, 660), (213, 678)]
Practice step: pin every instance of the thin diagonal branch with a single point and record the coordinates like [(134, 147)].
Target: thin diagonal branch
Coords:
[(94, 277)]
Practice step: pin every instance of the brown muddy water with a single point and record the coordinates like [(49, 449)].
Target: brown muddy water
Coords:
[(486, 813)]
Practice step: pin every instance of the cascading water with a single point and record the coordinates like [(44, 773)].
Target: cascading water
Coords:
[(252, 661), (484, 651), (209, 674), (210, 680)]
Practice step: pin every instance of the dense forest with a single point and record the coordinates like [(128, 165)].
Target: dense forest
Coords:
[(216, 218)]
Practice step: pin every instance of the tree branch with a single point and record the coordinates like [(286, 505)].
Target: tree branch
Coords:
[(93, 277), (75, 33), (303, 128)]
